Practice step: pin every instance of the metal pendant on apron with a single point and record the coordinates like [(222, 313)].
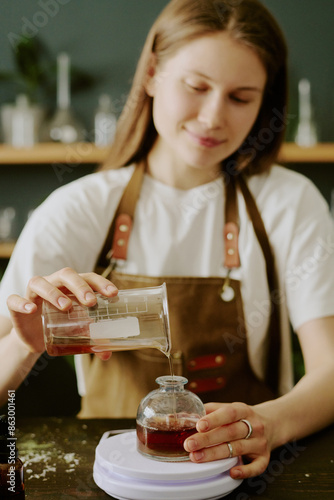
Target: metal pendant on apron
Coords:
[(209, 339)]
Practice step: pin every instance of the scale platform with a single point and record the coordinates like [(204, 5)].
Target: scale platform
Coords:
[(123, 473)]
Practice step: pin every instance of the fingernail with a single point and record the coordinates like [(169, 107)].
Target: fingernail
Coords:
[(203, 426), (191, 445), (198, 455), (236, 474), (28, 307), (109, 289), (105, 356), (89, 296), (63, 302)]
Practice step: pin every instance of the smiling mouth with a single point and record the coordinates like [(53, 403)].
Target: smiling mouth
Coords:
[(208, 142)]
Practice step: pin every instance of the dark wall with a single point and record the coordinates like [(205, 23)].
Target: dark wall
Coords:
[(105, 37), (308, 27)]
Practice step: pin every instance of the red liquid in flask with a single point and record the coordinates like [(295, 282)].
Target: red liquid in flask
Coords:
[(165, 438)]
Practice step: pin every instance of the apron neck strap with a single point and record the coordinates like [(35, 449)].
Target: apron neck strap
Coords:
[(231, 227), (259, 229), (116, 242), (231, 230), (273, 356)]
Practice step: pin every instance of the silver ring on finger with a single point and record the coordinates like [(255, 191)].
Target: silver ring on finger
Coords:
[(250, 428), (230, 449)]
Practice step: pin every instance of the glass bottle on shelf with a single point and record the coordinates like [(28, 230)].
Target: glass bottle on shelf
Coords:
[(64, 125), (104, 122), (8, 223), (25, 121), (306, 134)]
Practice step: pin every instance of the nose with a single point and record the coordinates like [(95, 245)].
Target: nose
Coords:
[(212, 113)]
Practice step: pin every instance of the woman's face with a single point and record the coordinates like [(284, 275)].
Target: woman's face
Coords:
[(206, 98)]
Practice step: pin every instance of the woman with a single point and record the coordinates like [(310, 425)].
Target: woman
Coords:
[(197, 202)]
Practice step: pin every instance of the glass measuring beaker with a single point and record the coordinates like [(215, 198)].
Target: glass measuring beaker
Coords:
[(134, 319)]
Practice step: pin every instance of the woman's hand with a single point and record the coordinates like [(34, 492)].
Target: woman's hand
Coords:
[(26, 312), (221, 434)]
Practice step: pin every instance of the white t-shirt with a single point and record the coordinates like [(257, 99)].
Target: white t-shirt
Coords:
[(180, 232)]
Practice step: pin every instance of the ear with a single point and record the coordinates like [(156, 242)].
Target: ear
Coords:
[(150, 81)]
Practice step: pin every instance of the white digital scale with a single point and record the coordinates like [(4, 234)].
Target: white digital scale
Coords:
[(123, 473)]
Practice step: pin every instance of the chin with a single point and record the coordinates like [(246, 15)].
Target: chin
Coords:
[(205, 158), (202, 163)]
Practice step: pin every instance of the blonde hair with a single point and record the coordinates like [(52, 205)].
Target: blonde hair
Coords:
[(247, 21)]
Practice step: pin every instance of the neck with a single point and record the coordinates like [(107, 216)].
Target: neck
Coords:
[(176, 173)]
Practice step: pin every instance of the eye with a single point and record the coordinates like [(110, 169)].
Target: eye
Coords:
[(239, 100), (194, 87)]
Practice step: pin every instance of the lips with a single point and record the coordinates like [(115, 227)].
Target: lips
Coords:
[(206, 141)]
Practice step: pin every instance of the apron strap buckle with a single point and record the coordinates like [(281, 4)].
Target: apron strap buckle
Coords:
[(227, 292), (111, 266)]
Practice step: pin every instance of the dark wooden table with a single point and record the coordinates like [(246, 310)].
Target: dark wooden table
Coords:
[(59, 456)]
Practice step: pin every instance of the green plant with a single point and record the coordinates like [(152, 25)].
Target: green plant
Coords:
[(35, 73)]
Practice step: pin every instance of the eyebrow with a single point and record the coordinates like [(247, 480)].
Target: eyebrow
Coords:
[(247, 88), (252, 89)]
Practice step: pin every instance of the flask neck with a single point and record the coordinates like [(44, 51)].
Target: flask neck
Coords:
[(171, 383), (63, 81)]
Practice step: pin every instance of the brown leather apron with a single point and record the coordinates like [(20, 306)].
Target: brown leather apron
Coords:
[(209, 341)]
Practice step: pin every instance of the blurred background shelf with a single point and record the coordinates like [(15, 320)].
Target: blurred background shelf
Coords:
[(6, 249), (85, 152), (321, 153), (82, 152)]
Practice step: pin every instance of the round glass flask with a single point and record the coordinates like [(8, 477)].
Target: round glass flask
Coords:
[(166, 417)]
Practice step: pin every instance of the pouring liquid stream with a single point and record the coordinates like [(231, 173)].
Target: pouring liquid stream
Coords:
[(171, 369)]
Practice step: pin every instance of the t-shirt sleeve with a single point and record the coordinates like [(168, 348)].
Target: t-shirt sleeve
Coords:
[(309, 276), (64, 231)]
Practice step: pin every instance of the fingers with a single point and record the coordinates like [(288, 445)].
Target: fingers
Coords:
[(255, 449), (100, 284), (219, 414), (254, 468), (222, 434), (81, 285), (18, 304), (221, 450), (228, 422), (41, 287)]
